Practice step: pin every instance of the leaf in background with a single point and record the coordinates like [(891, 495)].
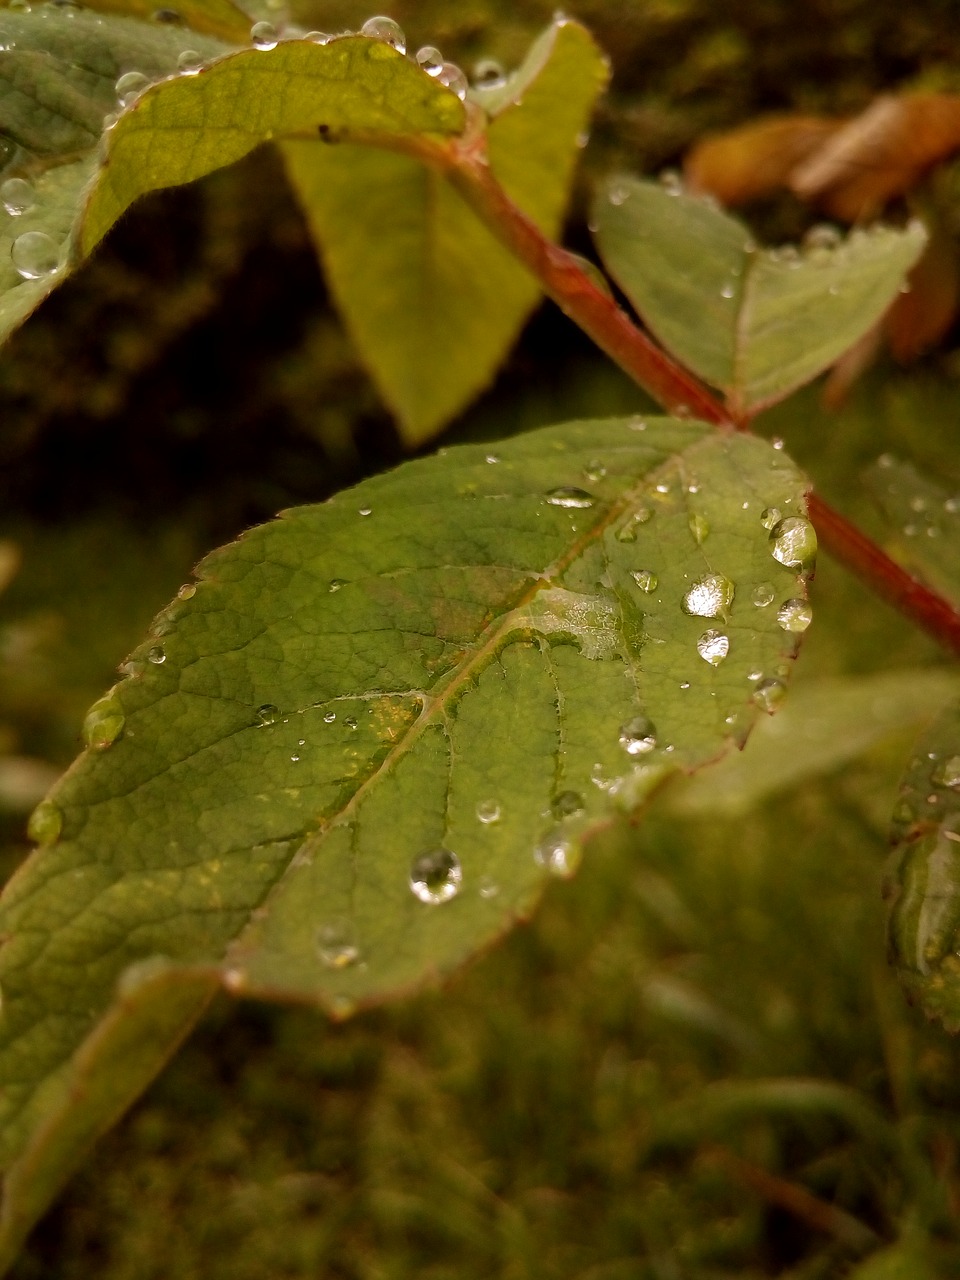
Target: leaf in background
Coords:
[(219, 18), (432, 300), (356, 749), (925, 515), (923, 880), (755, 159), (923, 315), (757, 323)]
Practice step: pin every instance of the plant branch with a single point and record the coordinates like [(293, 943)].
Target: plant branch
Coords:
[(563, 279)]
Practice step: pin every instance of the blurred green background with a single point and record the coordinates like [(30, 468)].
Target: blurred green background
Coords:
[(694, 1062)]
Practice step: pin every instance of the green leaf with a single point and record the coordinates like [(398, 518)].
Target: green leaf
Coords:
[(217, 18), (431, 298), (926, 518), (758, 323), (923, 880), (434, 686)]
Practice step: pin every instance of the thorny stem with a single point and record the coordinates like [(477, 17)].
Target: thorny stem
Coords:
[(564, 280)]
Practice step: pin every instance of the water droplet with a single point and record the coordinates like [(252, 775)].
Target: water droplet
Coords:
[(156, 655), (387, 31), (646, 580), (350, 722), (17, 196), (684, 684), (268, 713), (556, 854), (568, 496), (628, 532), (488, 888), (329, 717), (793, 543), (710, 597), (795, 615), (638, 736), (713, 647), (130, 86), (769, 694), (947, 774), (663, 487), (699, 527), (489, 74), (770, 516), (671, 182), (436, 876), (763, 595), (488, 811), (336, 584), (728, 291), (263, 35), (451, 75), (568, 804), (35, 255), (337, 944), (430, 59), (189, 62), (46, 823), (492, 459), (295, 759), (103, 723), (187, 591), (167, 17), (821, 236), (595, 469), (618, 193)]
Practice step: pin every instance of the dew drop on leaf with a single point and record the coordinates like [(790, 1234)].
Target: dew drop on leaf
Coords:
[(365, 511), (350, 722), (488, 811), (947, 774), (187, 591), (263, 35), (130, 86), (770, 516), (17, 196), (336, 584), (430, 59), (268, 713), (556, 854), (103, 723), (769, 694), (795, 615), (46, 823), (763, 594), (436, 876), (713, 647), (700, 528), (35, 255), (638, 736), (567, 804), (646, 580), (336, 944), (489, 74), (567, 496), (156, 655), (451, 75), (793, 543), (167, 17), (488, 888), (387, 31), (709, 597), (189, 62), (595, 469)]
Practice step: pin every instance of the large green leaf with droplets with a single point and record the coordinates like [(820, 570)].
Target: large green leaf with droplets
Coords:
[(758, 323), (353, 751), (431, 297), (924, 876)]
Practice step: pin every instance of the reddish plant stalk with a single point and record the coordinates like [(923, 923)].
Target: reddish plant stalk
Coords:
[(571, 288)]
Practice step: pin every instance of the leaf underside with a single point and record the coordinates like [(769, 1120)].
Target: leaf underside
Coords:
[(757, 323)]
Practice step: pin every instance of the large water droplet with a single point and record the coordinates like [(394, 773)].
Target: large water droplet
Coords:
[(710, 596), (386, 30), (947, 774), (568, 496), (763, 594), (46, 823), (103, 723), (189, 62), (489, 74), (488, 811), (430, 59), (699, 526), (156, 655), (568, 804), (795, 615), (130, 86), (646, 580), (337, 944), (713, 647), (268, 713), (263, 35), (187, 591), (35, 255), (451, 75), (770, 516), (557, 854), (638, 736), (793, 542), (436, 876), (769, 694), (18, 196)]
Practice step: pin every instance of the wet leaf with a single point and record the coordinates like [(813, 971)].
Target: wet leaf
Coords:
[(356, 749), (757, 323), (925, 518), (218, 18), (432, 300), (923, 881)]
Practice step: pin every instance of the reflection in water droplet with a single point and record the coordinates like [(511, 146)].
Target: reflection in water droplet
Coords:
[(713, 647), (451, 75), (638, 736), (646, 580), (130, 86), (489, 74), (794, 543), (769, 694), (947, 774), (35, 255), (46, 823), (710, 597), (156, 655), (699, 527), (337, 944), (570, 497), (18, 196), (436, 876), (556, 854), (770, 516), (103, 723), (763, 595), (567, 804), (795, 615), (386, 30), (187, 591), (268, 713), (263, 35), (488, 811), (430, 59)]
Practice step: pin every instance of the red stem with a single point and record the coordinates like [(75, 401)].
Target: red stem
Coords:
[(564, 280)]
